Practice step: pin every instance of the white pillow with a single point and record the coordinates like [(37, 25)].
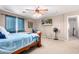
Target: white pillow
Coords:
[(3, 31)]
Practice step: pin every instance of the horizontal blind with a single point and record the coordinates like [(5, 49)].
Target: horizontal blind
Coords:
[(10, 23), (20, 25)]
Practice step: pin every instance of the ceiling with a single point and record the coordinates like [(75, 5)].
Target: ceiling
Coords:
[(53, 10)]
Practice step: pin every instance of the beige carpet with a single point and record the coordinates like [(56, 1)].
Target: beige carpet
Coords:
[(50, 46)]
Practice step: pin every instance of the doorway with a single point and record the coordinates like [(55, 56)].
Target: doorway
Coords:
[(73, 28)]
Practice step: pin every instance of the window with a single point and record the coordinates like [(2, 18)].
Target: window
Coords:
[(10, 23), (13, 24), (20, 24)]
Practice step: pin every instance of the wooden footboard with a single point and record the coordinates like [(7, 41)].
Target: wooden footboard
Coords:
[(38, 43)]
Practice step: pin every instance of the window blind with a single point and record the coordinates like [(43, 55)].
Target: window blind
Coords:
[(10, 23), (20, 24)]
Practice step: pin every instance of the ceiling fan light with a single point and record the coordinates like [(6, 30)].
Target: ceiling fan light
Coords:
[(37, 15)]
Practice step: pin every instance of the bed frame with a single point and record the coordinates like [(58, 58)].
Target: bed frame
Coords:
[(38, 44)]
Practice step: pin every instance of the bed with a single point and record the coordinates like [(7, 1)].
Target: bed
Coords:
[(18, 42)]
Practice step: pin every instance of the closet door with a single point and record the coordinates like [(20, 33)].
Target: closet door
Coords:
[(10, 24)]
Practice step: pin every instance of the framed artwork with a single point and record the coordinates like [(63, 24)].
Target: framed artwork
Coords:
[(30, 24), (46, 22)]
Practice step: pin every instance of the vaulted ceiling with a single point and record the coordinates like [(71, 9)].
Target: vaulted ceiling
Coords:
[(53, 10)]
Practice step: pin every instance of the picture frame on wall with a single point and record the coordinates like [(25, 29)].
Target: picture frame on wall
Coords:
[(46, 21), (30, 24)]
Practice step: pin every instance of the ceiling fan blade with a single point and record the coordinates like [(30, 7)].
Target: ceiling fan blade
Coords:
[(29, 9), (43, 9)]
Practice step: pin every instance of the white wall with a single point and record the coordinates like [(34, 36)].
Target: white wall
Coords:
[(26, 25), (60, 22), (2, 21)]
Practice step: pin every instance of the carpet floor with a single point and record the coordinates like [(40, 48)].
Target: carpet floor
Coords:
[(50, 46)]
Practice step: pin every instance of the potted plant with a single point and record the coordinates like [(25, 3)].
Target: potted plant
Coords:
[(55, 30)]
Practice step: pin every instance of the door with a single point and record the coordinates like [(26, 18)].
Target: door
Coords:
[(73, 26)]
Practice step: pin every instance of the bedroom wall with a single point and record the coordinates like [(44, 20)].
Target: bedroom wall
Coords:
[(47, 30), (2, 21), (60, 22), (26, 25)]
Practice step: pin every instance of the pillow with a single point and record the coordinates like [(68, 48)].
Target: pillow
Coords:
[(2, 36), (3, 31), (34, 30)]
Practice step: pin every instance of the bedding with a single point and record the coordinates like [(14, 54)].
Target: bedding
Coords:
[(3, 31), (17, 41)]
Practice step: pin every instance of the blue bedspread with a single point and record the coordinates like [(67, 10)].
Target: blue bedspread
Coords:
[(16, 41)]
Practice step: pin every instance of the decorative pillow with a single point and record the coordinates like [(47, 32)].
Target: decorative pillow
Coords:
[(3, 31), (2, 36)]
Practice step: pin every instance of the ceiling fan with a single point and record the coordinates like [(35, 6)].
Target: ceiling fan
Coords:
[(37, 10)]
